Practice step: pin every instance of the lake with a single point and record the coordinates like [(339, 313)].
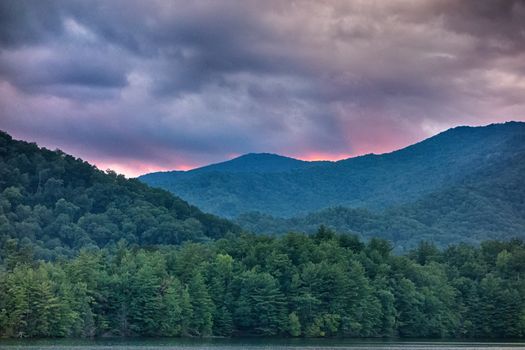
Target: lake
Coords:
[(254, 344)]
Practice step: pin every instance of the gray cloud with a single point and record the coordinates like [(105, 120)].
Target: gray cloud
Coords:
[(26, 22), (42, 69), (147, 85)]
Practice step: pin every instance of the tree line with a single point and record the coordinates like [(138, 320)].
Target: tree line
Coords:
[(321, 285)]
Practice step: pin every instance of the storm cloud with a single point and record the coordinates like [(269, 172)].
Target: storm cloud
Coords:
[(146, 85)]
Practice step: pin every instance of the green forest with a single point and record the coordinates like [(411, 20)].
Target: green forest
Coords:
[(88, 253), (489, 204), (322, 285), (56, 204)]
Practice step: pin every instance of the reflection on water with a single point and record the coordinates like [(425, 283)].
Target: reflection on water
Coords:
[(253, 344)]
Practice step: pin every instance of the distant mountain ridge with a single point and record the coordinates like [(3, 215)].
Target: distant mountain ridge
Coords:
[(489, 204), (250, 162), (286, 187)]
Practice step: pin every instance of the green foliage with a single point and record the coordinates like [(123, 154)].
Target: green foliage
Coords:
[(52, 204), (86, 253), (202, 306), (294, 285), (294, 325), (260, 306), (487, 205)]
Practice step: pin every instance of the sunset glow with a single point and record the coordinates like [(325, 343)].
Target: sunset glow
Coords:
[(198, 83)]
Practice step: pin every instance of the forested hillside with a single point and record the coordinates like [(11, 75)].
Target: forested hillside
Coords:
[(323, 285), (89, 253), (373, 182), (54, 204), (489, 204)]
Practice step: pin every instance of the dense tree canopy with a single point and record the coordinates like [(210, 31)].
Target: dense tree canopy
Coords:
[(322, 285), (58, 204)]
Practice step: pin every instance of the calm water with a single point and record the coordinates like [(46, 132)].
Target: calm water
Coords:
[(253, 344)]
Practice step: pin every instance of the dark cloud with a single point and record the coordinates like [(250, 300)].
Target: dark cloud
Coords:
[(147, 85), (28, 22), (42, 70), (498, 25)]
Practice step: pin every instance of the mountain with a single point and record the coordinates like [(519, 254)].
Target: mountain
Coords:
[(56, 211), (54, 204), (284, 187), (489, 204), (248, 163), (251, 163)]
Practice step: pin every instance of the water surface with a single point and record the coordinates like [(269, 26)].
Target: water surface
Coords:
[(254, 344)]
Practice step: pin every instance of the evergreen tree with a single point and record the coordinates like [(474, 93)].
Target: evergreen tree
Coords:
[(260, 304), (202, 306), (294, 325)]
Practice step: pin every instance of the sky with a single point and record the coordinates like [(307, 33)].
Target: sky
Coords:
[(141, 86)]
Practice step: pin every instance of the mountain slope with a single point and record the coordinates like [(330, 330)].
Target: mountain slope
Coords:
[(489, 204), (374, 182), (258, 163), (56, 204)]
